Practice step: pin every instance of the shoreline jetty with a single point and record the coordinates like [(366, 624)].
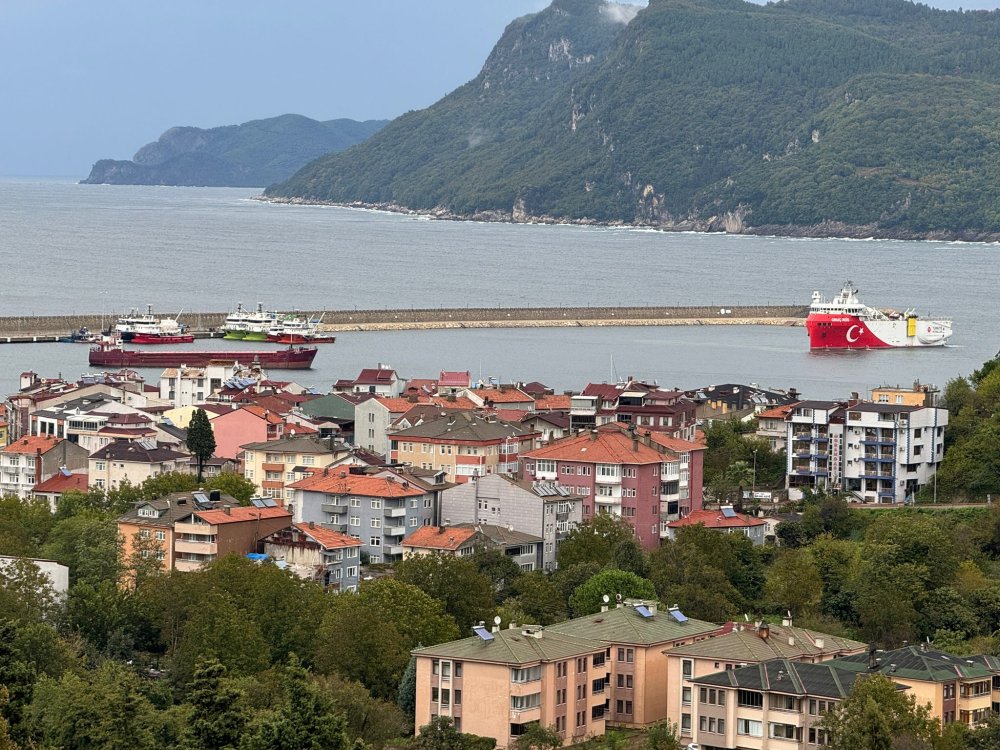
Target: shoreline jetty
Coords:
[(48, 328)]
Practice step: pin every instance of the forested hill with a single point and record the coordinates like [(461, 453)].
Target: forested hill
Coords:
[(253, 154), (845, 117)]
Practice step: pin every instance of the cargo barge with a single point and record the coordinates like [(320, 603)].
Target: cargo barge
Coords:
[(292, 358)]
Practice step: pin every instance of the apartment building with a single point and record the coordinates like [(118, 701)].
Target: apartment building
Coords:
[(957, 688), (463, 445), (274, 465), (774, 705), (496, 684), (202, 536), (919, 394), (771, 426), (52, 489), (546, 510), (133, 462), (736, 401), (380, 509), (317, 554), (643, 405), (878, 452), (375, 418), (640, 635), (619, 471), (234, 428), (738, 645), (29, 461), (154, 520)]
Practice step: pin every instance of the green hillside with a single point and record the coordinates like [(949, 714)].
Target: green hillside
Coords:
[(812, 116), (249, 155)]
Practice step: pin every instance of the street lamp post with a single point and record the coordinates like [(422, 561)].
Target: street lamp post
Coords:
[(753, 478)]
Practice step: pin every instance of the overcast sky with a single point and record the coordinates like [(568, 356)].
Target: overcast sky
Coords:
[(87, 79)]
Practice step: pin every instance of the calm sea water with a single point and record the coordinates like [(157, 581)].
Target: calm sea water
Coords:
[(72, 248)]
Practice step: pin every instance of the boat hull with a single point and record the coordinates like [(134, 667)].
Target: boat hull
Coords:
[(255, 336), (295, 338), (235, 335), (297, 358), (145, 338), (840, 331)]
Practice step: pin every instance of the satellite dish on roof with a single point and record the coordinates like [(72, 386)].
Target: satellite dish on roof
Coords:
[(496, 620), (606, 598), (618, 598)]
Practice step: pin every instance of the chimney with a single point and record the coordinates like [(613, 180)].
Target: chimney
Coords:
[(872, 661), (215, 496), (593, 434), (764, 631), (820, 643), (786, 621), (312, 524), (227, 509)]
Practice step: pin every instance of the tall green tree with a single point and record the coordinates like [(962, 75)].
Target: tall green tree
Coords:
[(200, 439), (876, 715), (441, 734), (406, 697), (605, 540), (6, 741), (538, 737), (217, 719), (611, 583), (304, 720), (467, 594)]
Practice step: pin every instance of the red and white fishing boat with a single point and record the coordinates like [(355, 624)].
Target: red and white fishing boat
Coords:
[(145, 328), (845, 323), (294, 329)]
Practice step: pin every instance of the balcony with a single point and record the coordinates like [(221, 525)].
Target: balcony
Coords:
[(395, 512), (195, 529), (608, 479), (395, 530), (337, 508), (197, 548), (394, 549)]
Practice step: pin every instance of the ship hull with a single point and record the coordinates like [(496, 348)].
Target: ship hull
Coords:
[(295, 338), (298, 358), (840, 331), (145, 338), (235, 335)]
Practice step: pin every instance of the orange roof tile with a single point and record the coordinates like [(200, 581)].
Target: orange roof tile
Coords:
[(505, 396), (606, 447), (778, 412), (402, 405), (240, 513), (713, 519), (439, 537), (345, 483), (33, 444), (552, 403), (328, 537), (674, 443)]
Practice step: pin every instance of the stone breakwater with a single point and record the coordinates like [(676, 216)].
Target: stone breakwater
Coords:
[(28, 328)]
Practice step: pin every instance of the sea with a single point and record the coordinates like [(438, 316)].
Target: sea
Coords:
[(69, 248)]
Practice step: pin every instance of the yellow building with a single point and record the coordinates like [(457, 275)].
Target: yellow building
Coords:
[(464, 445), (179, 416), (275, 465), (3, 432), (919, 395)]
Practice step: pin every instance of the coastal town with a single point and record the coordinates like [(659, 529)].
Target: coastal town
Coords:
[(341, 488)]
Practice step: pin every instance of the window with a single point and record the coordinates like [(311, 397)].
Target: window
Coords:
[(355, 502), (628, 472), (749, 699), (375, 541), (783, 702), (687, 668), (528, 674), (376, 504), (543, 466), (818, 736), (623, 707), (685, 695), (413, 521), (626, 655), (560, 669), (524, 702), (308, 460), (352, 572), (749, 727), (581, 665), (144, 533), (781, 731), (355, 521), (161, 536), (581, 692), (376, 523), (98, 465)]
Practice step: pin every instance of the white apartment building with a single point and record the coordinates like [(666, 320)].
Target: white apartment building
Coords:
[(878, 452)]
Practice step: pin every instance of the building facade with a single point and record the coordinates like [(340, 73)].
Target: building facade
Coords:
[(29, 461), (317, 554)]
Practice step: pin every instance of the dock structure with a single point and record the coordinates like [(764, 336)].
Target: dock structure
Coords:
[(48, 328)]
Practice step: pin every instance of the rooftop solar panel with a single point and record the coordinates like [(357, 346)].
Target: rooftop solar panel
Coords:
[(678, 615), (483, 633), (728, 512), (643, 610)]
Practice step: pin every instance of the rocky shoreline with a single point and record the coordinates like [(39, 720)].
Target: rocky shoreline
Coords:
[(729, 223)]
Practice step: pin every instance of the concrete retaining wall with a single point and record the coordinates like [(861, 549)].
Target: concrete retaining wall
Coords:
[(451, 317)]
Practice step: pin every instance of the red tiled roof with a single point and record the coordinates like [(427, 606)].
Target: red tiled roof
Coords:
[(552, 403), (345, 483), (713, 519), (375, 376), (674, 443), (402, 405), (260, 411), (240, 513), (606, 391), (505, 396), (453, 379), (607, 447), (62, 483), (297, 428), (433, 537), (778, 412), (32, 444), (328, 537)]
